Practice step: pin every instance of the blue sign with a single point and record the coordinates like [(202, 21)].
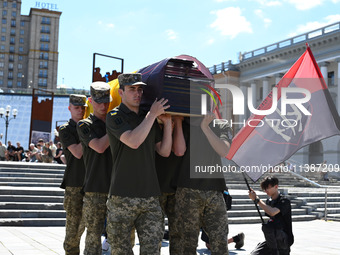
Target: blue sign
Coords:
[(49, 6)]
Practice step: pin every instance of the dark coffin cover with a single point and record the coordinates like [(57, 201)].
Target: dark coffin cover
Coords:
[(179, 80)]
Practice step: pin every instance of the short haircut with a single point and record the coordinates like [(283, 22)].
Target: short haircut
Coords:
[(269, 180)]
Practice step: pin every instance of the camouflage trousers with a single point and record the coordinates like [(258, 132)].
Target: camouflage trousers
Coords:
[(168, 202), (199, 208), (75, 226), (94, 211), (125, 213)]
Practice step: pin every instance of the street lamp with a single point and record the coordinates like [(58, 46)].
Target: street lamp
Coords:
[(6, 117)]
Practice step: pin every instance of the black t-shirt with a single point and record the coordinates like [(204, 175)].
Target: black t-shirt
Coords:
[(98, 165), (20, 149), (134, 172), (167, 172), (75, 169), (284, 218), (199, 153), (11, 148)]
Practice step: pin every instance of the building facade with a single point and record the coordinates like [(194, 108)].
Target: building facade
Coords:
[(263, 68), (28, 48)]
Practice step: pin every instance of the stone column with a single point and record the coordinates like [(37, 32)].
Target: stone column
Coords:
[(254, 97), (278, 77), (266, 89), (245, 93), (324, 71), (338, 82)]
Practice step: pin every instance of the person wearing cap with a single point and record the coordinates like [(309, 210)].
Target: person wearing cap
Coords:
[(98, 166), (74, 175), (134, 191)]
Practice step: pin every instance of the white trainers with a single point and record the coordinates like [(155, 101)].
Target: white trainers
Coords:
[(105, 245)]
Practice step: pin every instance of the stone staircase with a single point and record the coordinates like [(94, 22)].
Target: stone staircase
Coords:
[(30, 194)]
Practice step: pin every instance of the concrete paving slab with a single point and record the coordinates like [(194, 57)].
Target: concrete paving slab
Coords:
[(312, 237)]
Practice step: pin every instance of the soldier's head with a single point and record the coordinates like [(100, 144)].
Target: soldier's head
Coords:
[(77, 104), (131, 89), (100, 98)]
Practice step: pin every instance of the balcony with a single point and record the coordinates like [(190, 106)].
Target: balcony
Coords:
[(40, 84), (44, 40), (43, 67), (45, 31), (42, 75)]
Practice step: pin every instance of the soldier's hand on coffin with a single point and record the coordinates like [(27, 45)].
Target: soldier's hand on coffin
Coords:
[(165, 119), (176, 118), (158, 107), (209, 117)]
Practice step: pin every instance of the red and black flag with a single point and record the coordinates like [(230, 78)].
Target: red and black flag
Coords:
[(267, 140)]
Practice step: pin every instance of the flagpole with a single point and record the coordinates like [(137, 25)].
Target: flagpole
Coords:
[(257, 208)]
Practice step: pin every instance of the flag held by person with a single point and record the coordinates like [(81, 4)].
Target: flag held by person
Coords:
[(267, 140)]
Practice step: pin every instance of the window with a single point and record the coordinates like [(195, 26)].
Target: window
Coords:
[(4, 21), (2, 47), (21, 49), (46, 20), (9, 83), (21, 40), (11, 58), (10, 75), (45, 55), (2, 55), (3, 30), (12, 31), (1, 82), (42, 82), (1, 64), (45, 29), (42, 73), (4, 4), (10, 67), (13, 23), (22, 32), (11, 49), (14, 14), (14, 5), (43, 64), (22, 23), (331, 79), (3, 38), (44, 46), (20, 58), (1, 73), (4, 12), (45, 38), (19, 66), (19, 84), (19, 75), (12, 40)]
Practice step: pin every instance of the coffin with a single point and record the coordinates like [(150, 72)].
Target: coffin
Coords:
[(182, 80)]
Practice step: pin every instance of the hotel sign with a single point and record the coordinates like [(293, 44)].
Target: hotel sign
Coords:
[(50, 6)]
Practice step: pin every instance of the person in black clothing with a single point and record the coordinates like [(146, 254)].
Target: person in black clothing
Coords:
[(10, 153), (74, 175), (278, 230)]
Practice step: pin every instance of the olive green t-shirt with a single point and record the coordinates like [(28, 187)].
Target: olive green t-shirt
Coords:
[(133, 172), (199, 152), (98, 165), (75, 169)]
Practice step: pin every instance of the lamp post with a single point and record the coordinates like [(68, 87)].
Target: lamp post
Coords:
[(6, 117)]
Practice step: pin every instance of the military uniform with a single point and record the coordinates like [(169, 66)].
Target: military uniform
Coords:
[(97, 177), (167, 172), (199, 201), (72, 183), (134, 191)]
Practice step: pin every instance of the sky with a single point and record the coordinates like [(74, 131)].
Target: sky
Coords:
[(143, 32)]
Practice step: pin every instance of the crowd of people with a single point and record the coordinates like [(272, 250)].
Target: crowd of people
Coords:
[(46, 152), (126, 169)]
